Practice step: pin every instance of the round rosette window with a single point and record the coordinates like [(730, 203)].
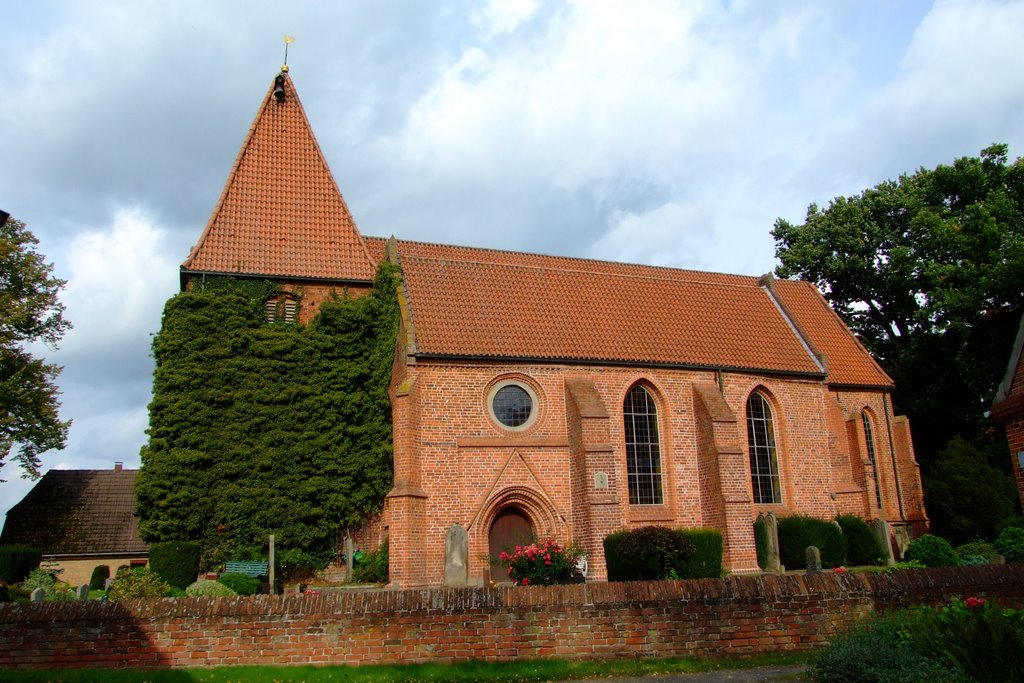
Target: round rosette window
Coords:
[(513, 405)]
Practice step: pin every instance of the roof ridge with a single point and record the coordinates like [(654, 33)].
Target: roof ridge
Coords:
[(638, 276)]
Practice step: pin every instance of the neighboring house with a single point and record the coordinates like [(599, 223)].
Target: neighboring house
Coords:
[(1008, 408), (568, 397), (80, 519)]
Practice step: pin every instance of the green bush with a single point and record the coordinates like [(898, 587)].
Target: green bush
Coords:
[(1010, 544), (175, 562), (613, 558), (971, 560), (372, 567), (98, 580), (61, 596), (241, 583), (16, 561), (797, 533), (648, 553), (13, 594), (1013, 521), (136, 583), (706, 562), (871, 652), (39, 578), (986, 550), (931, 551), (862, 547), (292, 564), (761, 541), (210, 589)]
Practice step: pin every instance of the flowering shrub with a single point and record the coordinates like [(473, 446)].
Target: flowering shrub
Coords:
[(541, 563), (840, 570)]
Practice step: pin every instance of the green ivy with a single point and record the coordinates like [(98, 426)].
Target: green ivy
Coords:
[(261, 428)]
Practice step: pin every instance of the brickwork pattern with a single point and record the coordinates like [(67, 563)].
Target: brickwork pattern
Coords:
[(454, 463), (740, 615)]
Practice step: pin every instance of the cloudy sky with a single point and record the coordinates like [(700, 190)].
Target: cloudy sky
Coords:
[(671, 133)]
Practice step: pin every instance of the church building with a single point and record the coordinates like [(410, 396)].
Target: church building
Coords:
[(569, 398)]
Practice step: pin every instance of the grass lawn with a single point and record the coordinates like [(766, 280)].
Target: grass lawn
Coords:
[(467, 672)]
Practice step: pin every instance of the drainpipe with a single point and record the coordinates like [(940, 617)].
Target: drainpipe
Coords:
[(892, 453)]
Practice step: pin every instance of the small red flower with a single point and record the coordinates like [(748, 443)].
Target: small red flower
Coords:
[(526, 581), (841, 570), (973, 602)]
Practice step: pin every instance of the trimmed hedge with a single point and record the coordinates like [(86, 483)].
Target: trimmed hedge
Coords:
[(16, 561), (862, 546), (1010, 544), (647, 554), (706, 562), (98, 580), (241, 583), (932, 551), (176, 562), (798, 532)]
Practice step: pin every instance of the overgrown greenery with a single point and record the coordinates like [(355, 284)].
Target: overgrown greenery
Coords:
[(261, 428), (16, 561), (968, 640), (373, 567), (928, 271), (175, 562), (29, 424)]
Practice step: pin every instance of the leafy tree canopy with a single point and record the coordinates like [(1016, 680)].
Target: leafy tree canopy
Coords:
[(928, 271), (261, 428), (29, 313)]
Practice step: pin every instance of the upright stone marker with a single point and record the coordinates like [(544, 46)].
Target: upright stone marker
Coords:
[(456, 553), (813, 561), (881, 529), (83, 592), (270, 567), (38, 595), (772, 564)]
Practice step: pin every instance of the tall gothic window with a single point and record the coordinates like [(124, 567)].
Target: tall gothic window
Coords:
[(869, 439), (643, 453), (764, 461)]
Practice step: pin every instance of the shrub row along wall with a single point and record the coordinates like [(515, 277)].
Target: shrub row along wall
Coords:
[(698, 617)]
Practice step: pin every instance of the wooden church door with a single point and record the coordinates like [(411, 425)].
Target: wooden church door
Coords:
[(510, 528)]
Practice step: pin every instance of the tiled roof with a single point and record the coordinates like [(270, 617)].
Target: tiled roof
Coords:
[(849, 363), (77, 512), (474, 302), (281, 213)]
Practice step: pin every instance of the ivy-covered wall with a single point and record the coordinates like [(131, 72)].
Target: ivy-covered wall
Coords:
[(261, 428)]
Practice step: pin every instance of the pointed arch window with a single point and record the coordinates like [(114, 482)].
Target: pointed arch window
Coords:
[(643, 449), (869, 439), (764, 461)]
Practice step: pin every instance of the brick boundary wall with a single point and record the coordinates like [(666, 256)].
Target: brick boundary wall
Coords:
[(737, 615)]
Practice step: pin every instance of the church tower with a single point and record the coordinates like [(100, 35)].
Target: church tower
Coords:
[(281, 215)]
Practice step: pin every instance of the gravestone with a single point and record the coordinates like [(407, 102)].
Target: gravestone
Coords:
[(772, 564), (881, 529), (83, 592), (813, 561), (38, 595), (456, 552)]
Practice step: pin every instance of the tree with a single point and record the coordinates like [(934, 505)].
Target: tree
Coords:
[(928, 271), (29, 313)]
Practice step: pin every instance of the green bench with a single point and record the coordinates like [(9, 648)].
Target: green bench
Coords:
[(253, 569)]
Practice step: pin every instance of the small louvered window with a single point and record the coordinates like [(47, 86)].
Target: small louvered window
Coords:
[(764, 461), (643, 449), (282, 308)]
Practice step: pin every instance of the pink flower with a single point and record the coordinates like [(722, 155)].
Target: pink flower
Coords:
[(841, 570), (510, 571), (973, 602), (525, 581), (503, 556)]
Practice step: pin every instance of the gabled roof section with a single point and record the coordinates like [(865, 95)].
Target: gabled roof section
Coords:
[(78, 512), (493, 304), (1013, 381), (849, 363), (281, 213)]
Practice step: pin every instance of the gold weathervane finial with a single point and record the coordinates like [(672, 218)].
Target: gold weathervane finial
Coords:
[(288, 40)]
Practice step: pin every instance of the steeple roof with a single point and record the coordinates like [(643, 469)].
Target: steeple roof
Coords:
[(281, 213)]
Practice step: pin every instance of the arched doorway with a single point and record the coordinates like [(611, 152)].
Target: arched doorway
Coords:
[(511, 527)]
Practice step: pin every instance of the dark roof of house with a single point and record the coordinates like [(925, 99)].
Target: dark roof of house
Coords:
[(1013, 380), (78, 512)]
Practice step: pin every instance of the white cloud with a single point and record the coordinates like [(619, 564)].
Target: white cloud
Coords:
[(673, 235)]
